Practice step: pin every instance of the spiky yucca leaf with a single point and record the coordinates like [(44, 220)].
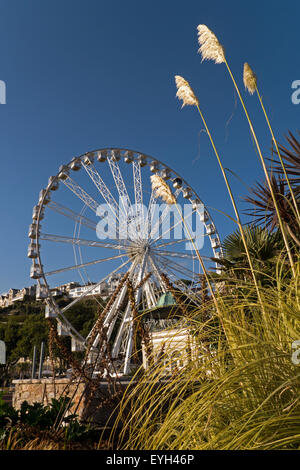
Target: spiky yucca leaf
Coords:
[(264, 210), (291, 158)]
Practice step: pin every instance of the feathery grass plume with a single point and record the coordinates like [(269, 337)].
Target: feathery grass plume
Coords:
[(182, 85), (185, 92), (249, 77), (210, 48), (250, 82), (162, 189)]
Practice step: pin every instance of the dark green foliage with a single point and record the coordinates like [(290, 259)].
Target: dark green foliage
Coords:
[(23, 325), (38, 417), (7, 414), (32, 332), (264, 248), (34, 415), (44, 416), (83, 315)]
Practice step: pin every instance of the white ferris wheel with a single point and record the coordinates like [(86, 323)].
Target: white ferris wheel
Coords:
[(99, 220)]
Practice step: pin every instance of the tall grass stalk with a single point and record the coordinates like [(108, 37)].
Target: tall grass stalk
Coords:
[(250, 82), (238, 219), (184, 91), (280, 221), (162, 190), (280, 157), (211, 49)]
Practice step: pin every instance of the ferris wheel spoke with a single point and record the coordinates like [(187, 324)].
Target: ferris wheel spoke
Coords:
[(178, 267), (138, 196), (158, 224), (138, 189), (77, 250), (78, 266), (163, 216), (176, 254), (159, 245), (122, 190), (192, 297), (80, 241), (174, 278), (173, 275), (149, 285), (148, 218), (169, 229), (102, 188), (150, 295), (81, 193), (63, 210), (176, 282), (94, 286), (156, 270), (112, 315), (127, 317)]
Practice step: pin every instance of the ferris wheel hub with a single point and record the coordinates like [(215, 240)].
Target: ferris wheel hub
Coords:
[(138, 250)]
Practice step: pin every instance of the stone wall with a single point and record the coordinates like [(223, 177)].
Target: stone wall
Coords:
[(42, 390), (96, 408)]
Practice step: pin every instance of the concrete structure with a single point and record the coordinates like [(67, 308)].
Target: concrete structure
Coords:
[(172, 345), (171, 348)]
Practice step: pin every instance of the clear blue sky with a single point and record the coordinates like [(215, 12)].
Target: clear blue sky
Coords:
[(87, 74)]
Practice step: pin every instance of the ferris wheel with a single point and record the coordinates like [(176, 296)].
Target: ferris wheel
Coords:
[(99, 222)]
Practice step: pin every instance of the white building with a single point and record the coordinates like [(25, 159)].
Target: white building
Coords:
[(71, 289), (15, 295), (101, 289)]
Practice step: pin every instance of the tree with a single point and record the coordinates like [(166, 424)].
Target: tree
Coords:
[(264, 248), (32, 332)]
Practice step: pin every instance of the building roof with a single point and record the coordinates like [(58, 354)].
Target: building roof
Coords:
[(165, 305), (166, 300)]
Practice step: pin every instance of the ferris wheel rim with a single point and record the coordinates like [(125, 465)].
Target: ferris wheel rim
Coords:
[(135, 154)]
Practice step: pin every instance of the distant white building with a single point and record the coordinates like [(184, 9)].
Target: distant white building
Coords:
[(3, 300), (22, 293), (64, 289), (101, 289), (104, 289), (15, 295), (71, 290), (113, 281)]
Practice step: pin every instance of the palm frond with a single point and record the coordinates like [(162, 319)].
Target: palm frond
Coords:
[(291, 158), (263, 210)]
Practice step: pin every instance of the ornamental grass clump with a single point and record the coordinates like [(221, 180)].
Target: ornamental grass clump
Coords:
[(242, 392)]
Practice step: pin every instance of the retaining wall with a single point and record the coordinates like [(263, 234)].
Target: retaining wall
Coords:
[(96, 409)]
